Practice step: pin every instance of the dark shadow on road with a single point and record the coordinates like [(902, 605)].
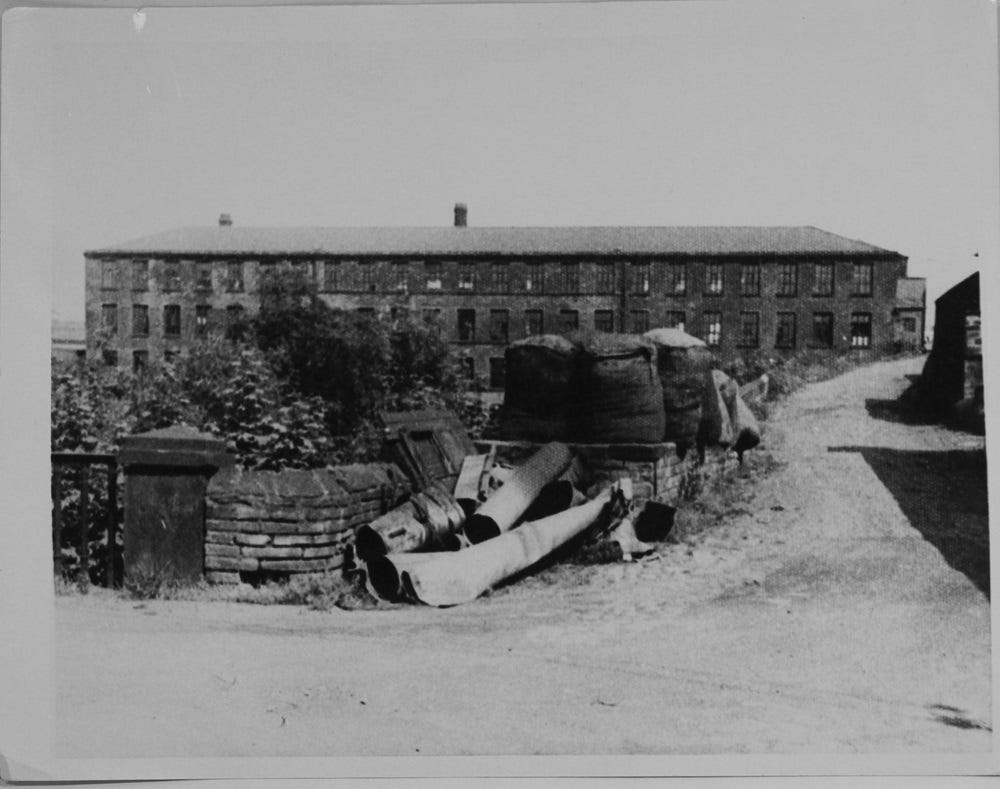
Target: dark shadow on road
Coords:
[(899, 411), (943, 494)]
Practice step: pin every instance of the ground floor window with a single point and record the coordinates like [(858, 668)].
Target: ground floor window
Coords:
[(109, 357), (604, 320), (909, 324), (822, 332), (569, 320), (640, 321), (499, 326), (675, 320), (140, 360), (533, 323), (861, 329), (201, 314), (497, 372), (712, 322), (785, 337), (749, 329)]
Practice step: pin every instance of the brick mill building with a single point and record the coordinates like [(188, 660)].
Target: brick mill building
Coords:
[(744, 290)]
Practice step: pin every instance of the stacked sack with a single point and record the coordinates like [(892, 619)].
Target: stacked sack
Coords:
[(540, 375), (682, 362), (618, 397)]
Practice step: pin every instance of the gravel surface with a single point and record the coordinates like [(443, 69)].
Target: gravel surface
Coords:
[(841, 606)]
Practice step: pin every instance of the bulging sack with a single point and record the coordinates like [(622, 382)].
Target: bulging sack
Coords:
[(682, 362), (618, 397), (715, 427), (539, 376)]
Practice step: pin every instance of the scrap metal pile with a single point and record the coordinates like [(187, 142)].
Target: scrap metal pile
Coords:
[(442, 548), (475, 522)]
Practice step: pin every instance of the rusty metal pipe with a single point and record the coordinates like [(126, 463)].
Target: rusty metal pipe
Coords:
[(446, 579), (504, 508), (430, 519), (384, 574)]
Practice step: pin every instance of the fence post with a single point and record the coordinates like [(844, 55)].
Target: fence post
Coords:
[(85, 523), (109, 573), (57, 519)]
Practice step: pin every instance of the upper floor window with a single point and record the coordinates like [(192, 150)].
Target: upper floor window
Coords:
[(823, 281), (140, 275), (788, 279), (498, 277), (605, 279), (140, 320), (713, 279), (749, 329), (466, 325), (499, 326), (750, 279), (172, 275), (675, 319), (366, 275), (466, 276), (640, 321), (571, 277), (432, 314), (204, 275), (861, 279), (109, 274), (604, 320), (861, 329), (401, 275), (713, 328), (534, 323), (533, 274), (172, 320), (109, 318), (234, 276), (676, 279), (432, 275), (331, 275), (640, 277), (785, 337), (202, 312)]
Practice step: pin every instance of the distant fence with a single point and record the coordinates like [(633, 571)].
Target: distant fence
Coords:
[(75, 500)]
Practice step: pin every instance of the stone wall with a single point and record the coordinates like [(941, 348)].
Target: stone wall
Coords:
[(262, 523), (655, 469)]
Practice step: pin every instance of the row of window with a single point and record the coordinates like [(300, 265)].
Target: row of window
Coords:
[(355, 275), (171, 319)]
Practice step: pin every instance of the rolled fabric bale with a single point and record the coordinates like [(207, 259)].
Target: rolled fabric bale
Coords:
[(745, 427), (538, 379), (682, 362), (501, 511), (715, 427), (618, 395)]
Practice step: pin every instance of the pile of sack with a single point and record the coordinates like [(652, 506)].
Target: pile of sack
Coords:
[(597, 388)]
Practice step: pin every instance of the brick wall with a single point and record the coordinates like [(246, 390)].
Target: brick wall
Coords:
[(655, 470), (269, 522)]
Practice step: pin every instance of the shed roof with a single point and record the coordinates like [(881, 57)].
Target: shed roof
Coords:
[(504, 241)]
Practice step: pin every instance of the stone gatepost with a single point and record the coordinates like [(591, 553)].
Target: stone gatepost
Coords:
[(166, 475)]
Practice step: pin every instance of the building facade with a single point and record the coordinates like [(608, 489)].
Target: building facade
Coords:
[(744, 290)]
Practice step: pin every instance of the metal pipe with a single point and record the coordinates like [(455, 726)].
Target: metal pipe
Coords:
[(383, 574), (501, 511), (445, 579), (430, 518)]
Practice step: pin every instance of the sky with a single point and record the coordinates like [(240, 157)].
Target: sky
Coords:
[(874, 120)]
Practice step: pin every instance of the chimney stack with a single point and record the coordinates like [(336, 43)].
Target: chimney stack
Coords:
[(225, 220), (461, 214)]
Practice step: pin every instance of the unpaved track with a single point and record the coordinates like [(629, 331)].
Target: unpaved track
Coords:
[(843, 611)]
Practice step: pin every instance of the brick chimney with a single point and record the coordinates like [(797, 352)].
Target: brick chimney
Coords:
[(461, 214), (225, 220)]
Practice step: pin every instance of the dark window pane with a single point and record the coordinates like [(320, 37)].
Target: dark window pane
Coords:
[(498, 372), (750, 279), (640, 277), (234, 276), (499, 326), (785, 337), (822, 333), (569, 320), (140, 275), (639, 320), (788, 279), (571, 277), (533, 323), (606, 278), (749, 329), (201, 316), (498, 277), (204, 272), (823, 284), (140, 360), (713, 279), (140, 320), (433, 275), (677, 279), (861, 279), (466, 325), (861, 329), (172, 320), (109, 318), (713, 327), (172, 275), (604, 320), (466, 276)]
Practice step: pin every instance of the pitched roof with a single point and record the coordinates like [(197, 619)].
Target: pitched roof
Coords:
[(684, 240), (910, 292)]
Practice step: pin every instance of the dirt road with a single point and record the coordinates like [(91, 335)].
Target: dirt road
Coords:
[(843, 609)]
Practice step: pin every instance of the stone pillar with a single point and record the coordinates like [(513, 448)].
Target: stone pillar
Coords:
[(166, 475)]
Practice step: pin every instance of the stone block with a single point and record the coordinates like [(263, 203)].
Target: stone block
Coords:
[(252, 539), (215, 549), (322, 552), (218, 577), (271, 552), (243, 563), (301, 565), (219, 537)]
